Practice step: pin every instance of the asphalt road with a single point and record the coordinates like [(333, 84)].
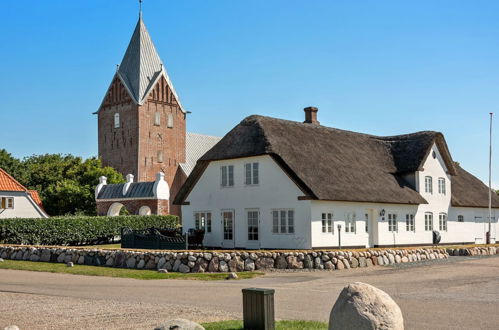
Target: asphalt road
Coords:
[(462, 293)]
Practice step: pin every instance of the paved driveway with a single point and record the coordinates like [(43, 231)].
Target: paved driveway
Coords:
[(462, 293)]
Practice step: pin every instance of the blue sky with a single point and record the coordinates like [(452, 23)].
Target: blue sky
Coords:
[(379, 67)]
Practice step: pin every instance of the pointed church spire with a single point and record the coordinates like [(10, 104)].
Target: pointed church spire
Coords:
[(141, 66)]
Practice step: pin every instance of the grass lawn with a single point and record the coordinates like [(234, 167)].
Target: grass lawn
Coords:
[(288, 325), (140, 274)]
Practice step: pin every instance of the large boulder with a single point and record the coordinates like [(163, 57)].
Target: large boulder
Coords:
[(361, 306), (179, 324)]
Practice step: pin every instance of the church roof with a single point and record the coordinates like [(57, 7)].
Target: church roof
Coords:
[(196, 145), (141, 66)]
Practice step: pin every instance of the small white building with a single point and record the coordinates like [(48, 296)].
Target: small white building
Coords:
[(18, 202), (278, 184)]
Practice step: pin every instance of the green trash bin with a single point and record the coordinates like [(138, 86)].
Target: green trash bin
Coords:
[(258, 309)]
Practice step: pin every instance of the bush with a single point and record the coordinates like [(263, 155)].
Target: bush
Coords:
[(76, 230)]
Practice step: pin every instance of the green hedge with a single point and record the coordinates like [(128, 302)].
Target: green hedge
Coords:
[(76, 230)]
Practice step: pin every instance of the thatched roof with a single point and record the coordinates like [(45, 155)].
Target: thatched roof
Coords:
[(328, 163), (469, 191)]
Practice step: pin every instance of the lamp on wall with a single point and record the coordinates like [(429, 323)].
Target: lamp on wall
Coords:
[(382, 214)]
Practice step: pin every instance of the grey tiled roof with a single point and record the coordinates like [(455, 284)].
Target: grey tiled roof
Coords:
[(141, 66), (136, 190), (196, 145)]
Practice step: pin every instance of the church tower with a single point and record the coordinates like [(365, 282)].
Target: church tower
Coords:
[(142, 128)]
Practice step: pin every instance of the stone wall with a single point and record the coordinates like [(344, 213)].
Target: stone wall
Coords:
[(233, 261)]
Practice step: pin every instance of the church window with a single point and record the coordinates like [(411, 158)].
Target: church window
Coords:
[(116, 120), (157, 119), (170, 121), (160, 156)]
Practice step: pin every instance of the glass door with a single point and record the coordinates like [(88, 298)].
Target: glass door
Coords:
[(228, 227), (253, 219)]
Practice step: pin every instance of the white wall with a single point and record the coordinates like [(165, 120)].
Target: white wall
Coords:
[(274, 191), (474, 227), (377, 233), (23, 206)]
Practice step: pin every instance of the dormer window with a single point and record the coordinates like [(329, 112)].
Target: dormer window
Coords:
[(441, 186), (116, 120), (428, 182), (157, 119)]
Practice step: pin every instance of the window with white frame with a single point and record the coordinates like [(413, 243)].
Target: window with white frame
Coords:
[(202, 220), (350, 226), (157, 118), (442, 221), (283, 221), (116, 120), (227, 176), (392, 222), (327, 223), (251, 173), (169, 122), (441, 186), (428, 221), (460, 218), (6, 203), (160, 156), (428, 183), (409, 222)]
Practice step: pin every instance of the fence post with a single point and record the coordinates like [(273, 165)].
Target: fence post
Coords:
[(187, 241), (258, 309)]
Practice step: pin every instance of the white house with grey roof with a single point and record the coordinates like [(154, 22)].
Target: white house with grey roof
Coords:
[(278, 184)]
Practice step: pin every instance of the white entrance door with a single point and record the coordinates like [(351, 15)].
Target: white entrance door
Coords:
[(253, 225), (228, 229), (370, 228)]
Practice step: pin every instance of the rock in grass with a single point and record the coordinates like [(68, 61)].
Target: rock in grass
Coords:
[(1, 260), (70, 264), (361, 306), (163, 271), (179, 324), (233, 276)]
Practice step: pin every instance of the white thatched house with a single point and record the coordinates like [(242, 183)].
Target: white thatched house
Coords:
[(273, 183)]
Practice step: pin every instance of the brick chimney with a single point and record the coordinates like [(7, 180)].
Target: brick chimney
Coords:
[(311, 115)]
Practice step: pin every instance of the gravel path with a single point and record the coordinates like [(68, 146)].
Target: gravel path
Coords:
[(458, 293)]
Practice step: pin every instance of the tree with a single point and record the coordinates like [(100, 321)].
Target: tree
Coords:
[(65, 182), (11, 165)]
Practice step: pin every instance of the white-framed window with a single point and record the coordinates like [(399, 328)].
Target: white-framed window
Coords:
[(283, 221), (366, 219), (460, 218), (428, 221), (253, 218), (251, 171), (157, 118), (392, 222), (441, 186), (227, 176), (327, 223), (202, 220), (160, 156), (409, 222), (442, 222), (7, 203), (428, 183), (169, 122), (116, 120), (350, 223)]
